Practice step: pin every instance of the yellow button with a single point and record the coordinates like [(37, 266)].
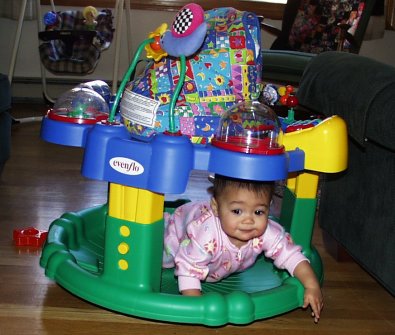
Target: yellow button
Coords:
[(123, 265), (125, 231), (123, 248)]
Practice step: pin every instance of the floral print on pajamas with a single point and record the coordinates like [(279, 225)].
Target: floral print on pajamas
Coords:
[(195, 244)]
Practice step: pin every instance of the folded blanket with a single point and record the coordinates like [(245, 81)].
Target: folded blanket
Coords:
[(357, 88)]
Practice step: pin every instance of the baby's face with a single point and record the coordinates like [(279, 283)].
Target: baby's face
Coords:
[(243, 214)]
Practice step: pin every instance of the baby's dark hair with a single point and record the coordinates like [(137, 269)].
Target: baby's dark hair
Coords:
[(259, 187)]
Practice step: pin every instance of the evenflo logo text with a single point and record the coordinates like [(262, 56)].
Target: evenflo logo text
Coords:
[(126, 166)]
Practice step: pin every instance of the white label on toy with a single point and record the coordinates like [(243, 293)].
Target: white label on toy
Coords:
[(139, 109), (126, 166)]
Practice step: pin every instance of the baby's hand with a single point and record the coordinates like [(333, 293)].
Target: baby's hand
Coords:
[(312, 290), (192, 292), (313, 297)]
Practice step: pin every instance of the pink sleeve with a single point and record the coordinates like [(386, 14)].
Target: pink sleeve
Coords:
[(193, 258), (278, 245), (188, 283)]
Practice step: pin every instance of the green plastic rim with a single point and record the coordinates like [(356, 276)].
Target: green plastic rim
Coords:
[(74, 256)]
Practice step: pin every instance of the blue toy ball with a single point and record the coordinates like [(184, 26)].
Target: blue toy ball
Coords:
[(51, 18)]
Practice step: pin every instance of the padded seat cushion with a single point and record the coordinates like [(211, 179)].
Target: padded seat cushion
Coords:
[(71, 52)]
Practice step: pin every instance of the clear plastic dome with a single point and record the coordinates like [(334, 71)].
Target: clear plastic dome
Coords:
[(80, 105), (249, 127)]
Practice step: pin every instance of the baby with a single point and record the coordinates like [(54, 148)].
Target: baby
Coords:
[(209, 240)]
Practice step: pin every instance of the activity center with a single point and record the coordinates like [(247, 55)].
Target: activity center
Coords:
[(146, 141)]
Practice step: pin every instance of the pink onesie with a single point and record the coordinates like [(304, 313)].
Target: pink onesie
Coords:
[(195, 243)]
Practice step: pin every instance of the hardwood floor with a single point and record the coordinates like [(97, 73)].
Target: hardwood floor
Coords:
[(41, 181)]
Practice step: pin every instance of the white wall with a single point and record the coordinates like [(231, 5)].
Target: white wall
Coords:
[(382, 49), (28, 63)]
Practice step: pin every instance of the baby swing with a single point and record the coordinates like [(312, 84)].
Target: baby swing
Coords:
[(72, 41), (111, 255)]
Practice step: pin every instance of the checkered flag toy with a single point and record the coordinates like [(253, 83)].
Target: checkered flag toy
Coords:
[(187, 32), (183, 22)]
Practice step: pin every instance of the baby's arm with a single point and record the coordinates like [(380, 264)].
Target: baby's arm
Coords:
[(195, 253), (312, 293), (191, 267), (279, 246)]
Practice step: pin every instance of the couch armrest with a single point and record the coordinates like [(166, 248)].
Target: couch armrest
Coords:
[(5, 136), (5, 93), (359, 89), (283, 66)]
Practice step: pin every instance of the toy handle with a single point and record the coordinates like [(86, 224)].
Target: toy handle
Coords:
[(180, 83), (126, 78)]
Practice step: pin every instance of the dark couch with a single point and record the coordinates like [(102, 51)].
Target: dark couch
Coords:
[(5, 121), (357, 207)]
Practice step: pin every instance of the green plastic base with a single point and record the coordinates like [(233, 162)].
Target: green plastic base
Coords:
[(74, 256)]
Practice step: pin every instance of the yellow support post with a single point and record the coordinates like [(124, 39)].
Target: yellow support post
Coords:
[(291, 181), (134, 204), (307, 185)]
